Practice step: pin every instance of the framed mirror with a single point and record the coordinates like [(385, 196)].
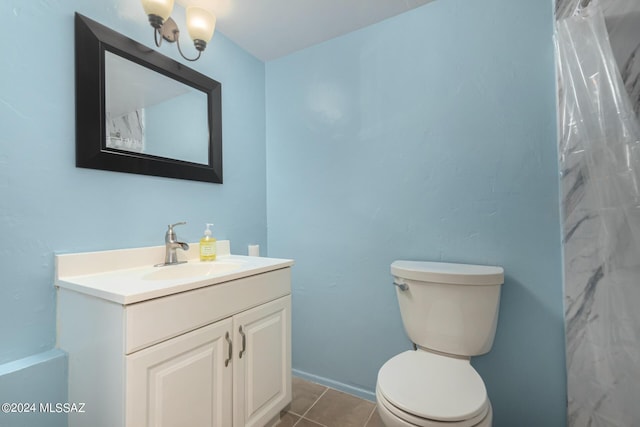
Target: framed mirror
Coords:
[(139, 111)]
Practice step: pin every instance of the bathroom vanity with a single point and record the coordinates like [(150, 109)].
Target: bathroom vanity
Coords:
[(197, 344)]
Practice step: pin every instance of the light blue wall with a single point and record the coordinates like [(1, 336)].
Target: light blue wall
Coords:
[(48, 205), (430, 136), (36, 380)]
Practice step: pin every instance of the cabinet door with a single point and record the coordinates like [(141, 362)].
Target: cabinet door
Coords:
[(183, 381), (262, 363)]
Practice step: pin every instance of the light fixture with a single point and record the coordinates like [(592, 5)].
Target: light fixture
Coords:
[(200, 24)]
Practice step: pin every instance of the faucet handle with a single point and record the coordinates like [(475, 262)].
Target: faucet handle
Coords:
[(177, 223), (170, 236)]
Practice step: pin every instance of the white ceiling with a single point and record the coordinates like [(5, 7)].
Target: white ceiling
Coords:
[(269, 29)]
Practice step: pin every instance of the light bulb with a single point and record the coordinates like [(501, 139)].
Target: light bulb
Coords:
[(200, 23), (161, 8)]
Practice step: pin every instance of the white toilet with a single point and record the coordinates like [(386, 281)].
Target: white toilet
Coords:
[(450, 312)]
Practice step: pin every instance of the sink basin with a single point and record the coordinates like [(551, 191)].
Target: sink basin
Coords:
[(191, 270)]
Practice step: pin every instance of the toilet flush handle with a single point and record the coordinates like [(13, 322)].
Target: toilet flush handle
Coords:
[(402, 286)]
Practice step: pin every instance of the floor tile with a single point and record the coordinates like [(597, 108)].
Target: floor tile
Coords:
[(305, 394), (288, 420), (375, 420), (337, 409), (308, 423)]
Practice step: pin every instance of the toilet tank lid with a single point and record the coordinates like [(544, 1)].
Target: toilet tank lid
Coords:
[(444, 272)]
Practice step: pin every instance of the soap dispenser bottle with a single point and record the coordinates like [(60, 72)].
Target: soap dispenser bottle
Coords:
[(207, 246)]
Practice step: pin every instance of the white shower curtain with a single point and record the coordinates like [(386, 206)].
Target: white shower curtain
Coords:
[(600, 186)]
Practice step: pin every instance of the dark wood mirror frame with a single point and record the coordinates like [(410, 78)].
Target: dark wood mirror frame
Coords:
[(91, 41)]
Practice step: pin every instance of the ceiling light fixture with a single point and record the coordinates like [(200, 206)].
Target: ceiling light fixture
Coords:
[(200, 24)]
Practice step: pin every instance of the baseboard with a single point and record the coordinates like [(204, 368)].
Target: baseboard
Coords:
[(356, 391)]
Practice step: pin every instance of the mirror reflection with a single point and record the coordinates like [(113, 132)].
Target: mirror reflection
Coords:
[(138, 101)]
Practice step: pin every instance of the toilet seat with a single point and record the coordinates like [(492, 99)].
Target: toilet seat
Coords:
[(395, 417), (428, 389)]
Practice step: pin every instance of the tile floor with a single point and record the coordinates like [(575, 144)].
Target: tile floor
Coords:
[(315, 405)]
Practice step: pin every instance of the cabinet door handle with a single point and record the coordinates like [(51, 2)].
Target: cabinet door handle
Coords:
[(244, 342), (230, 355)]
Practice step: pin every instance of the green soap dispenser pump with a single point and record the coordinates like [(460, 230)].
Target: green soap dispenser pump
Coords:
[(207, 246)]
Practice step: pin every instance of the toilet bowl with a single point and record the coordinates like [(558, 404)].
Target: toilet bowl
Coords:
[(450, 313)]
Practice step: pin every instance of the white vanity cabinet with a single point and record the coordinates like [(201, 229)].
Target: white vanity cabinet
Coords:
[(262, 369), (185, 381), (204, 378), (217, 355)]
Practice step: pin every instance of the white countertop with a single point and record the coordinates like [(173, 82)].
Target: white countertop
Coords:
[(122, 275)]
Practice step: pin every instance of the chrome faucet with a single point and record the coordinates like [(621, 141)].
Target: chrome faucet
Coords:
[(171, 244)]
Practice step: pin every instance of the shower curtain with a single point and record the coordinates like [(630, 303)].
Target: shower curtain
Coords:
[(599, 150)]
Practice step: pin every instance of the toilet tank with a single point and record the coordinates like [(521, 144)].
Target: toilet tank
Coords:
[(450, 308)]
